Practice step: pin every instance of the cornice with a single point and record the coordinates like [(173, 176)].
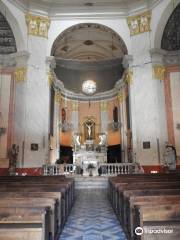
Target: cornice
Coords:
[(82, 97), (82, 12)]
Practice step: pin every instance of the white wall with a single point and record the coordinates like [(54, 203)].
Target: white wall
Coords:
[(5, 83), (175, 94)]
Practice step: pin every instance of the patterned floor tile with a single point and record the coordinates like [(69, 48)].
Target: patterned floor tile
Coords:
[(92, 218)]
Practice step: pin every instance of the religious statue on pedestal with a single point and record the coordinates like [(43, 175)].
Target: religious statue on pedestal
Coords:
[(89, 125)]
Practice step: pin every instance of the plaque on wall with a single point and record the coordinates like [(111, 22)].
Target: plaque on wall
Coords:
[(34, 147), (146, 145)]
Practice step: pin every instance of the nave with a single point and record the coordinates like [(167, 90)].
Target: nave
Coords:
[(92, 218)]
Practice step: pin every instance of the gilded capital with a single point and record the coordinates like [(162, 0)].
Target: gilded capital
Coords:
[(74, 106), (57, 96), (103, 106), (20, 74), (159, 71), (50, 78), (121, 95), (37, 25), (139, 23), (128, 77)]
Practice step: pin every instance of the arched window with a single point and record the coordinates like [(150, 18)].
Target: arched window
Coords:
[(115, 114)]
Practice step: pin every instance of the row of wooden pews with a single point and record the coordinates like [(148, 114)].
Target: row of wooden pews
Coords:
[(148, 201), (34, 207)]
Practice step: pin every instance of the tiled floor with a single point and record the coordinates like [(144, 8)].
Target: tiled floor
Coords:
[(92, 218)]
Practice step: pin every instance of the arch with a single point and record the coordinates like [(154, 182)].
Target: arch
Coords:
[(162, 23), (14, 24), (115, 29), (88, 34)]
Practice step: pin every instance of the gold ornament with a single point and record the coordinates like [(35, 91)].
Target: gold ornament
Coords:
[(20, 74), (37, 25), (159, 71), (74, 106), (139, 23), (57, 96), (103, 106), (128, 77)]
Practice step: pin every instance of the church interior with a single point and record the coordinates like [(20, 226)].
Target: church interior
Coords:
[(89, 120)]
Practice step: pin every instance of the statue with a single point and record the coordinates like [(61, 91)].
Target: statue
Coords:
[(102, 139), (89, 125), (13, 155), (170, 156)]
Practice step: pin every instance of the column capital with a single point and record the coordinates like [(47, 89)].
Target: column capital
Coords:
[(21, 58), (127, 61)]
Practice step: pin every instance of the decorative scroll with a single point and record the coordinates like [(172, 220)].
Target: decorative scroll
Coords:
[(37, 25), (139, 23), (20, 74), (159, 71), (57, 96), (103, 106)]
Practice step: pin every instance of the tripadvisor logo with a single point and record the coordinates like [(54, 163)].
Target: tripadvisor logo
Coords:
[(139, 231)]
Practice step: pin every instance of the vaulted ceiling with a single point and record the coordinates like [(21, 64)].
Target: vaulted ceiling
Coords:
[(89, 42), (7, 40), (171, 35), (89, 52)]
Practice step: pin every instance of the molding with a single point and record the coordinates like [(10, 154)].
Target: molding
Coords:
[(82, 97), (101, 11), (57, 96)]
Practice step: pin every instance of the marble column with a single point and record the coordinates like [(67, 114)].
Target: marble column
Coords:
[(104, 116), (33, 97), (123, 122), (74, 116), (147, 104)]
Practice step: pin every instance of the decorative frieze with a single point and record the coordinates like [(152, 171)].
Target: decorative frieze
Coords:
[(128, 77), (103, 106), (37, 25), (159, 71), (57, 96), (20, 74), (74, 106), (139, 23)]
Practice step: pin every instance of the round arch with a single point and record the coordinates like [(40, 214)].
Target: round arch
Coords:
[(162, 23), (91, 34), (11, 19), (120, 28)]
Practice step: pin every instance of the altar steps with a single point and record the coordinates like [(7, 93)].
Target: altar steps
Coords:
[(91, 182)]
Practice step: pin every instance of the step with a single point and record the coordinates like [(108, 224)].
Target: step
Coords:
[(91, 182)]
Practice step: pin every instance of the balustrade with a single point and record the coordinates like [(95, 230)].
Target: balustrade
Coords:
[(107, 169)]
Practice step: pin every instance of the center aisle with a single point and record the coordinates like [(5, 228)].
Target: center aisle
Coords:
[(92, 218)]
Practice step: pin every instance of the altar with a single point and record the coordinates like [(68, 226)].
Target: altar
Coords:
[(85, 158)]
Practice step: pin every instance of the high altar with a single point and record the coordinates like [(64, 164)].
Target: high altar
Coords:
[(89, 155)]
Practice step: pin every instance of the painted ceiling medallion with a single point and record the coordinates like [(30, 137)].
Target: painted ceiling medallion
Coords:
[(89, 87)]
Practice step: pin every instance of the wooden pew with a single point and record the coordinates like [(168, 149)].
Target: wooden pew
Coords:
[(26, 203), (145, 201), (152, 215), (21, 223)]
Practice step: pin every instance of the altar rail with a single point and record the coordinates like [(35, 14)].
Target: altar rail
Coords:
[(107, 169)]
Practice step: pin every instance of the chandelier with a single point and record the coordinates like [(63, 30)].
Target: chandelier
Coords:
[(89, 87)]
